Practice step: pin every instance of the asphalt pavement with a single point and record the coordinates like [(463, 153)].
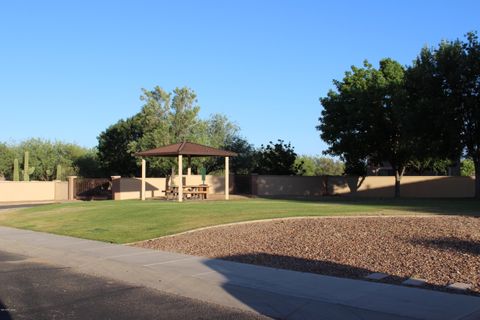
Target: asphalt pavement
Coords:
[(33, 289)]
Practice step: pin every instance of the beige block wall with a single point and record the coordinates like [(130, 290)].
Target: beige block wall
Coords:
[(373, 186), (14, 191), (289, 186), (129, 188), (358, 187), (434, 186), (61, 190), (410, 186)]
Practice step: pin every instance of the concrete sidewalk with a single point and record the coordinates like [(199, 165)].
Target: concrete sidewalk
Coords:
[(277, 293)]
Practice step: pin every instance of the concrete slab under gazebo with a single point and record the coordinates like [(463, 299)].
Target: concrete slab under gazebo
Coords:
[(189, 150)]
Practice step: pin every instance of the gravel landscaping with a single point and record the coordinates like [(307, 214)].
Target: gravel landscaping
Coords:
[(441, 250)]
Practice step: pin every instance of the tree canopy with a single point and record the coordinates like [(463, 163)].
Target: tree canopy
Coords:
[(446, 82), (422, 116), (45, 156), (277, 159), (365, 118), (467, 168), (319, 166), (245, 161), (165, 118)]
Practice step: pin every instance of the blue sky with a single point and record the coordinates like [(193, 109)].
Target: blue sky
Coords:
[(70, 69)]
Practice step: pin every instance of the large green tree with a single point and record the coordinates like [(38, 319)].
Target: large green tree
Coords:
[(277, 159), (434, 126), (165, 118), (114, 150), (450, 88), (366, 119), (245, 161)]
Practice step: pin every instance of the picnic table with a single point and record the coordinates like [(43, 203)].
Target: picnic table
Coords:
[(199, 192)]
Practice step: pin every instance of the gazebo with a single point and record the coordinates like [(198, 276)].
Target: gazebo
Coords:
[(189, 150)]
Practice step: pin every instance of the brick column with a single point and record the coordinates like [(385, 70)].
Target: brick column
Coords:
[(144, 175), (227, 178), (180, 175), (116, 191), (253, 184), (71, 187)]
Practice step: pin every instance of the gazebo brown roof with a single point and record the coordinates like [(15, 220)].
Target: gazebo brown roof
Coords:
[(186, 149)]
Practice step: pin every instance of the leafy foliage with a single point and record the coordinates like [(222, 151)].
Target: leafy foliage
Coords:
[(7, 155), (245, 162), (365, 119), (448, 84), (165, 118), (45, 156), (422, 117), (435, 165), (277, 159), (319, 166), (16, 170), (88, 165), (467, 168), (113, 148)]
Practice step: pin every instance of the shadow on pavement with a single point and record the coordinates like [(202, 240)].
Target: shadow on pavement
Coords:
[(4, 312), (44, 291), (298, 264)]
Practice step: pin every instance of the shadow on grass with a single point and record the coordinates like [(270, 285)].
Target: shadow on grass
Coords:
[(439, 206), (460, 245)]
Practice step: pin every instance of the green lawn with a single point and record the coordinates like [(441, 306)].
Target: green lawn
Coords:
[(129, 221)]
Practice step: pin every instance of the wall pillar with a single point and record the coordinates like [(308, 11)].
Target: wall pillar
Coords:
[(227, 179), (116, 188), (254, 184), (144, 173), (180, 175), (71, 187)]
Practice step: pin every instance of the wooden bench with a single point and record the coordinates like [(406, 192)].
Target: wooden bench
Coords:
[(193, 194), (170, 192), (196, 194)]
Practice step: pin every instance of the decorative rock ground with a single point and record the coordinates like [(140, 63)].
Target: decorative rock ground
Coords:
[(439, 249)]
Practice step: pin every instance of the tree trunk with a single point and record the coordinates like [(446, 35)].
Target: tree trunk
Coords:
[(397, 185), (477, 177), (398, 176)]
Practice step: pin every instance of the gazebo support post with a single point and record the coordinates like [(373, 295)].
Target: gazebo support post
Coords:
[(227, 178), (180, 175), (189, 168), (144, 173)]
